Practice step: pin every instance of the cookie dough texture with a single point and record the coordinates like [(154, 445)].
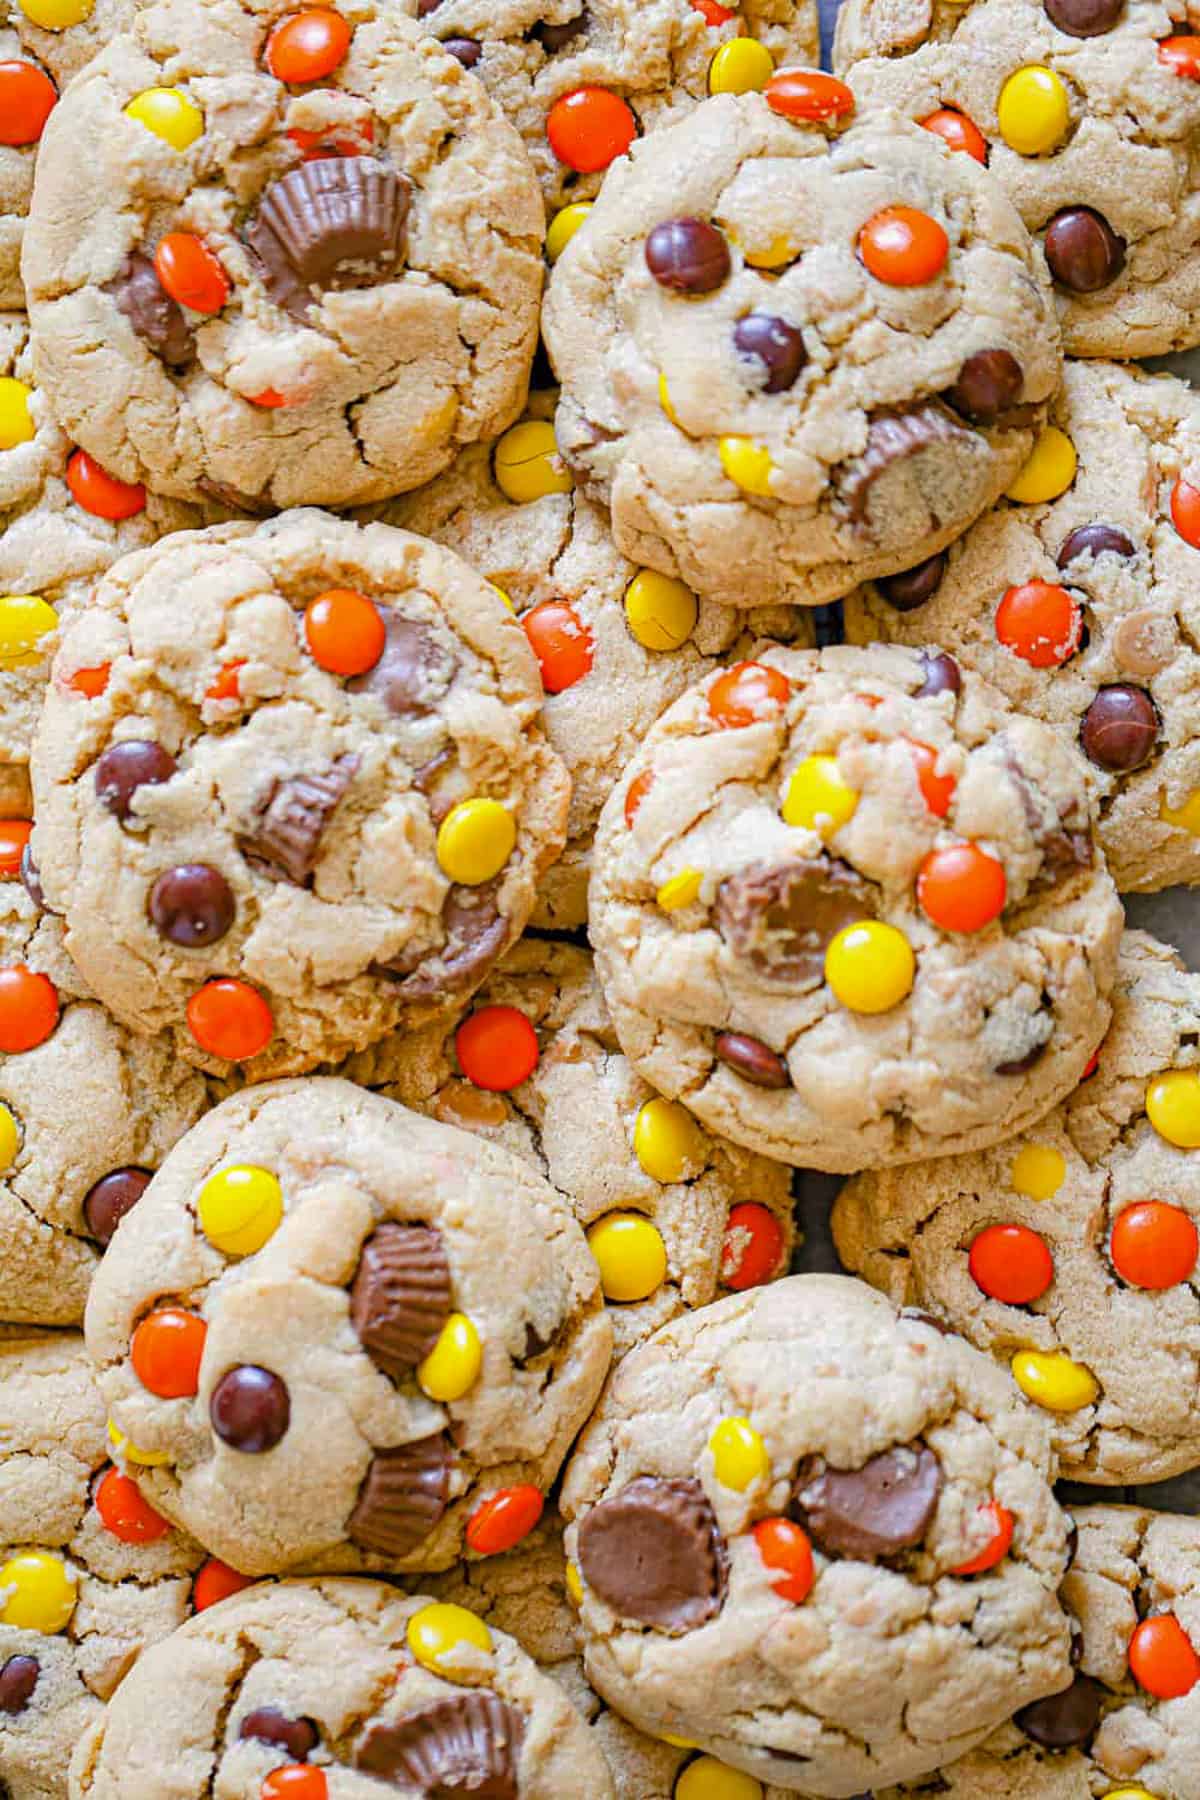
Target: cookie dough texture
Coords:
[(889, 1667), (574, 1121), (417, 342), (999, 1022), (313, 801), (909, 1232), (870, 468), (337, 1485), (1135, 436), (332, 1654), (1128, 152)]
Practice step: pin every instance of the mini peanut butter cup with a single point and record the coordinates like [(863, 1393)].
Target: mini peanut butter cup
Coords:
[(654, 1553), (468, 1746), (403, 1497), (336, 223), (401, 1297)]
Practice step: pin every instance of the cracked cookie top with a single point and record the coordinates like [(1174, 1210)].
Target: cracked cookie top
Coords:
[(301, 260)]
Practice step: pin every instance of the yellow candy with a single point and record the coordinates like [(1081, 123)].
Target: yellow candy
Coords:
[(527, 464), (1033, 111), (495, 586), (870, 967), (25, 619), (475, 840), (169, 114), (451, 1642), (41, 1592), (678, 1743), (1129, 1793), (125, 1448), (239, 1208), (1052, 1380), (743, 66), (680, 890), (56, 15), (739, 1455), (660, 611), (1173, 1107), (631, 1255), (10, 1139), (452, 1367), (574, 1584), (1049, 471), (779, 251), (667, 1142), (664, 400), (563, 226), (747, 464), (1038, 1171), (1187, 816), (817, 798), (16, 420), (708, 1779)]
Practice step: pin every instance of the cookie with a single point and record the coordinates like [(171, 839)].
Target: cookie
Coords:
[(1073, 600), (421, 1325), (761, 1512), (285, 293), (847, 907), (1088, 115), (672, 1214), (795, 355), (321, 811), (372, 1688)]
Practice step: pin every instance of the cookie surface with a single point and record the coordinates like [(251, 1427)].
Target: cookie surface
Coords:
[(323, 811), (349, 288), (846, 907), (777, 395)]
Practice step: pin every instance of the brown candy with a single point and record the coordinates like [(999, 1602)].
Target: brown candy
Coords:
[(250, 1409), (776, 346), (654, 1553), (554, 38), (913, 587), (1120, 729), (1083, 251), (1064, 848), (192, 905), (781, 916), (1143, 643), (476, 932), (123, 768), (878, 1510), (753, 1060), (158, 320), (332, 224), (1084, 18), (689, 256), (414, 671), (868, 486), (989, 383), (1064, 1721), (942, 675), (468, 1746), (1021, 1065), (109, 1199), (266, 1724), (401, 1295), (465, 50), (18, 1678), (403, 1497), (287, 838), (1094, 540)]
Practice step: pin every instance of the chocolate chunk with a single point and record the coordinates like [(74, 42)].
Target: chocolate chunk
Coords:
[(753, 1060), (235, 499), (774, 345), (878, 1510), (299, 1737), (989, 382), (476, 932), (1020, 1065), (913, 587), (1084, 18), (1143, 643), (18, 1678), (781, 916), (288, 835), (403, 1497), (1064, 1721), (1064, 849), (554, 38), (1094, 540), (465, 1748), (1083, 251), (942, 675), (250, 1409), (1120, 729), (874, 487), (654, 1553), (334, 224), (401, 1297), (414, 671), (109, 1199), (536, 1342), (158, 320), (689, 256), (192, 905), (465, 50), (31, 881), (124, 768)]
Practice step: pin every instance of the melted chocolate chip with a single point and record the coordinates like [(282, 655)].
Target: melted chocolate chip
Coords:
[(125, 767), (1094, 540), (654, 1553), (192, 905), (536, 1343), (465, 50), (1120, 729), (781, 916), (876, 485), (554, 38), (425, 7), (476, 933), (1020, 1065), (775, 347), (334, 224), (689, 256), (414, 671), (158, 320), (299, 1737), (1064, 1721), (1083, 251), (1064, 849), (1084, 18), (913, 587), (18, 1678), (401, 1295), (878, 1510), (288, 836), (31, 881), (109, 1199), (753, 1060), (942, 675), (467, 1747), (403, 1497), (250, 1409), (988, 384)]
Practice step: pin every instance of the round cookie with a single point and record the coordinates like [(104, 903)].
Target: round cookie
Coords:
[(1077, 604), (1069, 1252), (796, 355), (321, 811), (376, 1690), (1088, 114), (791, 1516), (385, 1322), (672, 1214), (846, 906), (286, 293)]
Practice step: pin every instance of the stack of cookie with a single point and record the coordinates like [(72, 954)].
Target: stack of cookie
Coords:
[(583, 629)]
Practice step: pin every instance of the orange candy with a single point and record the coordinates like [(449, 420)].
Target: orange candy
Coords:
[(295, 1781), (712, 12), (100, 493), (166, 1351), (1041, 623), (308, 46), (747, 692), (1093, 1063), (589, 128), (1161, 1658), (226, 686), (344, 631), (639, 787), (125, 1512), (954, 128), (1185, 511), (502, 1521), (497, 1048), (999, 1545), (215, 1581), (1182, 56), (561, 642), (753, 1247), (14, 835), (1153, 1245), (786, 1547), (190, 273), (961, 888), (28, 1009), (270, 398), (27, 97), (230, 1019), (1010, 1263), (91, 683), (808, 94), (937, 791), (903, 247)]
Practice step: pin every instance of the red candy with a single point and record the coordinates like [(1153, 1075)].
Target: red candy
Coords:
[(1185, 511), (91, 683), (14, 835), (344, 632), (295, 1781), (937, 791), (226, 685), (166, 1351), (215, 1581), (308, 46), (1153, 1245), (786, 1547), (230, 1019), (270, 398), (502, 1521), (1041, 623), (808, 94), (639, 787), (100, 493), (589, 128), (1182, 56), (1010, 1263), (125, 1511), (997, 1548), (190, 273), (561, 642), (1161, 1658), (903, 247), (747, 692), (28, 1009), (712, 12), (27, 98), (753, 1246), (959, 132), (961, 888), (497, 1048)]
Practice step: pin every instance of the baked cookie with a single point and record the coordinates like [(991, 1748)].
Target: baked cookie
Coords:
[(846, 906), (421, 1308), (320, 811), (1088, 114), (817, 1540), (285, 292), (1075, 601), (672, 1214), (796, 355), (376, 1691)]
